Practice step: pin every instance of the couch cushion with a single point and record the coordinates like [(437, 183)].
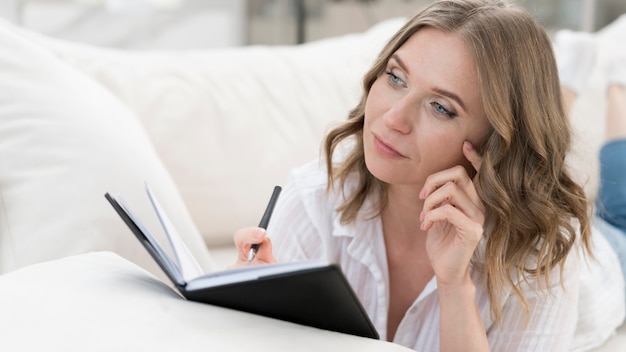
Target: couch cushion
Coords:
[(64, 142)]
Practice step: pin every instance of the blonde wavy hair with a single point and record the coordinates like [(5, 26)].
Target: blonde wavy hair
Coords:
[(529, 196)]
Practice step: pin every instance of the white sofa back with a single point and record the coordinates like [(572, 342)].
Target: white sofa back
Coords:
[(229, 124), (212, 131)]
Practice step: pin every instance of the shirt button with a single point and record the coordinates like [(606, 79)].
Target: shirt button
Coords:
[(413, 310)]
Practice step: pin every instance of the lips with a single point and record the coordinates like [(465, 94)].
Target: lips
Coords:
[(386, 149)]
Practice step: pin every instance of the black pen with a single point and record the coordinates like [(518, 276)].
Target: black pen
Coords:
[(265, 220)]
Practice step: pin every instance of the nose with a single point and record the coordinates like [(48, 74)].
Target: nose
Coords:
[(399, 116)]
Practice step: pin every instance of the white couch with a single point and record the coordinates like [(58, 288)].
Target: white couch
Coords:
[(212, 131)]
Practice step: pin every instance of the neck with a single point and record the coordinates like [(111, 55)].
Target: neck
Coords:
[(403, 211)]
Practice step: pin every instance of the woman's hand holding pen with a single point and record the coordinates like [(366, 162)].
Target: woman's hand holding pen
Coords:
[(252, 244), (454, 216), (244, 239)]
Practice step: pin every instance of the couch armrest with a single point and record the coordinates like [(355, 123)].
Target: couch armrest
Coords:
[(101, 302)]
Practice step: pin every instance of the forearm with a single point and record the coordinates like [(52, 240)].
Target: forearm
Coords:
[(461, 326)]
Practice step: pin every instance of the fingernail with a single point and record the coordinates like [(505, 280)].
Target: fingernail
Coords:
[(259, 233), (422, 194), (468, 145), (422, 216)]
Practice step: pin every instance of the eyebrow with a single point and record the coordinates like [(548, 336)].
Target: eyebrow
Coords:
[(439, 91), (450, 95), (400, 62)]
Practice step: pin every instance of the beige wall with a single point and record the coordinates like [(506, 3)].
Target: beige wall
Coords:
[(184, 24), (274, 21)]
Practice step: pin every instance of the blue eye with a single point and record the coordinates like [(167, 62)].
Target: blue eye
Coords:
[(441, 110), (393, 78)]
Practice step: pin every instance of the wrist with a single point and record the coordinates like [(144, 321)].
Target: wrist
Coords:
[(464, 287)]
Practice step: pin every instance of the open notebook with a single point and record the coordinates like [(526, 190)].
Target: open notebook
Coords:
[(313, 293)]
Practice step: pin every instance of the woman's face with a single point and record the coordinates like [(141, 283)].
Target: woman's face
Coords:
[(422, 108)]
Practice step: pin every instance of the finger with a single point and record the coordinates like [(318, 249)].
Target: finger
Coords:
[(264, 254), (472, 155), (452, 194), (457, 175), (471, 231), (246, 237)]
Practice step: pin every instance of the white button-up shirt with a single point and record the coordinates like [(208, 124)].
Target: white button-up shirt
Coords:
[(306, 225)]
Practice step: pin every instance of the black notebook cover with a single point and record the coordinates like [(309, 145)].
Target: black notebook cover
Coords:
[(317, 296)]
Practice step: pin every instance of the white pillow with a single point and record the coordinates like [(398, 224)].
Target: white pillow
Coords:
[(100, 302), (64, 142), (231, 123)]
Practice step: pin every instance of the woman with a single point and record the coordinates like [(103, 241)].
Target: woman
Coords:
[(445, 197)]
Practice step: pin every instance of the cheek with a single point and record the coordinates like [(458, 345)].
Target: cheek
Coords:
[(372, 114), (444, 152), (449, 152), (371, 103)]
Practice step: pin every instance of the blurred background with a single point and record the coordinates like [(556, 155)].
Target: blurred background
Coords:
[(195, 24)]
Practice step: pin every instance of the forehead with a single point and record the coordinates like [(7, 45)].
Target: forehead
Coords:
[(435, 48), (441, 60)]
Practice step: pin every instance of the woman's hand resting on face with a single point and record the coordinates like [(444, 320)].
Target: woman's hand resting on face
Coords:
[(244, 239), (454, 216)]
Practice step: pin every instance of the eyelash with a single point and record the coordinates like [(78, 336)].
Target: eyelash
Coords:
[(393, 78), (437, 106)]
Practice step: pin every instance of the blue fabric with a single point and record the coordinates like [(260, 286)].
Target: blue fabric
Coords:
[(611, 205), (610, 216)]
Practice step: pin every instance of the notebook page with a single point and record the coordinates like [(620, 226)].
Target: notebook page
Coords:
[(185, 260)]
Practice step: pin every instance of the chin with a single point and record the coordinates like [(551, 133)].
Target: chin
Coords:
[(383, 171)]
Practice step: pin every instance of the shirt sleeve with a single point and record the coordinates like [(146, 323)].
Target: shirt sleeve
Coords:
[(552, 314)]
